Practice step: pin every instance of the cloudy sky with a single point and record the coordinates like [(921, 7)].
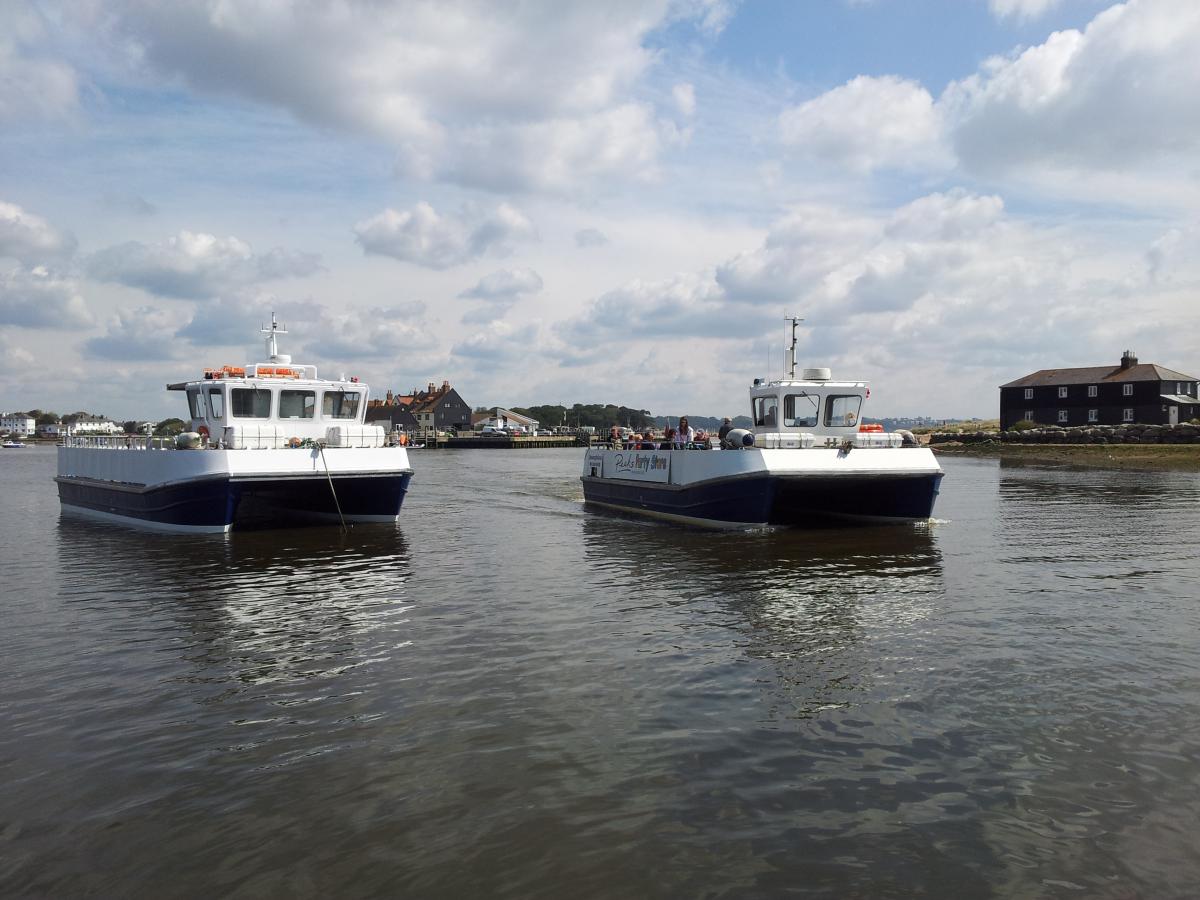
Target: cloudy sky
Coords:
[(558, 202)]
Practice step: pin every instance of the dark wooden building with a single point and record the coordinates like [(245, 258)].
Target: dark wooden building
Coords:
[(441, 408), (1144, 393)]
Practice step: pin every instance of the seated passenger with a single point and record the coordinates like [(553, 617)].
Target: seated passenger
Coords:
[(668, 439), (647, 441)]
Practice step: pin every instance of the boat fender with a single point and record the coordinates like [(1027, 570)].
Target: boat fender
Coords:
[(739, 437)]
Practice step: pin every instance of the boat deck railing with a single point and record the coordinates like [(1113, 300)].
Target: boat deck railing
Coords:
[(119, 441)]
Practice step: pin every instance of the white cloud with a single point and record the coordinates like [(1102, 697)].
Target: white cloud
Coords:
[(14, 359), (456, 89), (141, 334), (866, 124), (194, 265), (425, 238), (685, 99), (32, 84), (383, 333), (505, 285), (39, 298), (590, 237), (237, 319), (1022, 10), (1118, 96), (499, 343), (30, 239)]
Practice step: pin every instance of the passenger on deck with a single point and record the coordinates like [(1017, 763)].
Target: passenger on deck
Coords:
[(685, 434), (647, 442), (726, 427), (668, 439)]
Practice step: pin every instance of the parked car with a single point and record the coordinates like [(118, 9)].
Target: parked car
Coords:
[(491, 431), (544, 432)]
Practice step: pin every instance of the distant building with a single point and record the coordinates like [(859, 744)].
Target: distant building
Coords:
[(94, 425), (1103, 395), (17, 424), (50, 430), (499, 417), (435, 407)]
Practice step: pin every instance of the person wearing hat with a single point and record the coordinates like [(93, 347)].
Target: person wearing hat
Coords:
[(726, 427)]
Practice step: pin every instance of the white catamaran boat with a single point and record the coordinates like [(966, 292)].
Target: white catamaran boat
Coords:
[(269, 444), (806, 461)]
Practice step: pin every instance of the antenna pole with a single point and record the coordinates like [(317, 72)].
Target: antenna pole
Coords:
[(795, 320), (272, 347)]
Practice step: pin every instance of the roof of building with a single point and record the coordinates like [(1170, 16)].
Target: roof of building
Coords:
[(1098, 374)]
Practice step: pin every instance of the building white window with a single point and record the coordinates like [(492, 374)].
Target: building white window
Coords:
[(1029, 415), (1091, 390), (1181, 388), (1127, 415), (1093, 415), (1127, 390), (1062, 393), (1062, 415), (1028, 393)]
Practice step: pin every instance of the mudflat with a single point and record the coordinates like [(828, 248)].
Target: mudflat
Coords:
[(1145, 457)]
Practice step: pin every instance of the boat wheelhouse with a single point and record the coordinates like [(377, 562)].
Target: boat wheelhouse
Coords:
[(807, 460), (269, 444)]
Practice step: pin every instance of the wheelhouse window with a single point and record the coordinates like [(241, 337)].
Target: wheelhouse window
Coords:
[(1028, 393), (841, 410), (1062, 393), (250, 403), (1093, 415), (1062, 415), (340, 404), (800, 411), (195, 405), (766, 411), (216, 403), (1127, 390), (1092, 390), (297, 404)]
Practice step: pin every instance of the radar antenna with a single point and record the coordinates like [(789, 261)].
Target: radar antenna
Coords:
[(272, 347), (795, 320)]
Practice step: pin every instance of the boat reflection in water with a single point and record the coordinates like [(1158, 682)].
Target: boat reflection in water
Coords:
[(252, 607), (801, 600)]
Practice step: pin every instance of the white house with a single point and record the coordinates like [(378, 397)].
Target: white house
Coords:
[(95, 425), (17, 424), (50, 430)]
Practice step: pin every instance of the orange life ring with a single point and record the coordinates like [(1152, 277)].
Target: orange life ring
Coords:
[(203, 432)]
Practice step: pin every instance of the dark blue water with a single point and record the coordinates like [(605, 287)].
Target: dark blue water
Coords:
[(509, 696)]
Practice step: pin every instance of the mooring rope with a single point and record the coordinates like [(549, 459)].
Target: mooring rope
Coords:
[(332, 490)]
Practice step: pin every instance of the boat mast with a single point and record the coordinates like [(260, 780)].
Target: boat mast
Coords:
[(795, 320), (272, 347)]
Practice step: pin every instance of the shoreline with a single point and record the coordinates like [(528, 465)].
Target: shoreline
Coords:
[(1131, 457)]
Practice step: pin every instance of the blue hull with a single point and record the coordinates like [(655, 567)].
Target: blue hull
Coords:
[(765, 499), (222, 503)]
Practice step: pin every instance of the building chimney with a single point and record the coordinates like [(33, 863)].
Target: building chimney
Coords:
[(430, 389), (445, 386), (1128, 360), (389, 398)]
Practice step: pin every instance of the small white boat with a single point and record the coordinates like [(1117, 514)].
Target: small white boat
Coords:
[(13, 445), (269, 444), (805, 461)]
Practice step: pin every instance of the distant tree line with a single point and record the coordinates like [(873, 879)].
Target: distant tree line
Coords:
[(602, 416)]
